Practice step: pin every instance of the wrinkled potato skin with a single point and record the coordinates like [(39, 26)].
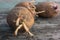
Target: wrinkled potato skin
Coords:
[(48, 8), (23, 14)]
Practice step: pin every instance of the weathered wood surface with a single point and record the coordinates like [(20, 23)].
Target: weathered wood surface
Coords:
[(44, 29)]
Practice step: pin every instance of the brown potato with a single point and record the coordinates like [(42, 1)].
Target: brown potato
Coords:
[(50, 8), (31, 7), (21, 15)]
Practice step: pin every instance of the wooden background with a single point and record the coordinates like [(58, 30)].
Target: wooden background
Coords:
[(43, 29)]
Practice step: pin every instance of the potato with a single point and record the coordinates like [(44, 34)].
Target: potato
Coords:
[(21, 17), (30, 6), (51, 9)]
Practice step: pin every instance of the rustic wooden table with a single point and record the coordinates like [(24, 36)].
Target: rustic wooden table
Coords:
[(43, 29)]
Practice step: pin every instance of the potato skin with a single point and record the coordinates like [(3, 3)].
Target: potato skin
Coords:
[(28, 4), (48, 7), (24, 14)]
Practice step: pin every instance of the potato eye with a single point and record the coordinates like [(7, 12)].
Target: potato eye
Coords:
[(55, 7)]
